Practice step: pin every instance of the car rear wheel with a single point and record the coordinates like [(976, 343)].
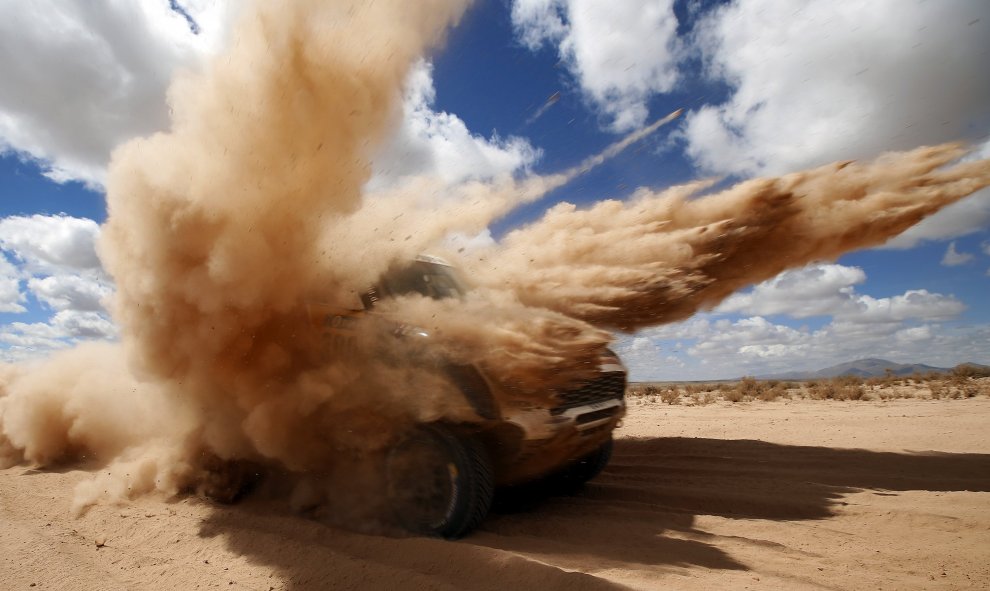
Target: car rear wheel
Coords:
[(439, 483)]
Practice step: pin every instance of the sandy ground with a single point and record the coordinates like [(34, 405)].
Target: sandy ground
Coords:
[(780, 495)]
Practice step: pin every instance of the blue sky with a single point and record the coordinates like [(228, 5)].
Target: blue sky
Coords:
[(767, 88)]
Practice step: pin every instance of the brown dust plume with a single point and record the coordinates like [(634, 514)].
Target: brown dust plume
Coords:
[(226, 229)]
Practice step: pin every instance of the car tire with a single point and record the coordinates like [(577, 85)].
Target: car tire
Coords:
[(440, 483)]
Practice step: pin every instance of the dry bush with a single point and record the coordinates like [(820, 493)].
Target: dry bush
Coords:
[(671, 396), (849, 388), (643, 394), (703, 398), (775, 389), (646, 391), (817, 390), (956, 389), (970, 380), (974, 389), (733, 395), (970, 371), (838, 388), (876, 382), (750, 387)]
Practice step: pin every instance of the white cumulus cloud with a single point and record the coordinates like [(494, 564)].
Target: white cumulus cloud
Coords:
[(55, 257), (621, 53), (11, 297), (20, 341), (828, 290), (439, 144), (81, 76), (916, 325), (954, 258), (724, 349), (51, 243), (817, 81), (71, 292)]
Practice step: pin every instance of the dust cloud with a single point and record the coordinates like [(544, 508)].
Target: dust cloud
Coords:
[(227, 234)]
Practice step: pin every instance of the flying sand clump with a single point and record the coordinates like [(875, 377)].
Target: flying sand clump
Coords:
[(253, 203)]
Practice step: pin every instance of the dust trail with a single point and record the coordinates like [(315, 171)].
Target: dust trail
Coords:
[(542, 109), (661, 257)]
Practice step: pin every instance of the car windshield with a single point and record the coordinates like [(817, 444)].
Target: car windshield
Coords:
[(432, 280)]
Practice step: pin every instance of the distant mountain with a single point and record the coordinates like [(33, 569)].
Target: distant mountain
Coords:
[(864, 368)]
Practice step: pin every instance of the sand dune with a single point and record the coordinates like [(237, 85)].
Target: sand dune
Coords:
[(782, 495)]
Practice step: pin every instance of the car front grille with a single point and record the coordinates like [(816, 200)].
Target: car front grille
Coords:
[(607, 386)]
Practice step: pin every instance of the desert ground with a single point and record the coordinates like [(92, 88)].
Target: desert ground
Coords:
[(781, 494)]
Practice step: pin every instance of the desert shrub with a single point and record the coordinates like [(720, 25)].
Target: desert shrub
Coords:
[(750, 387), (819, 390), (671, 395), (648, 391), (848, 380), (733, 394), (850, 390), (774, 390), (839, 388), (847, 388), (703, 398), (970, 371), (769, 395)]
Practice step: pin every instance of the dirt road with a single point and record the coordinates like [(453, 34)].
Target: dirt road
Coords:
[(781, 495)]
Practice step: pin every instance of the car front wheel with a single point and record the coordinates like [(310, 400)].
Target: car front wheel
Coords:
[(440, 483)]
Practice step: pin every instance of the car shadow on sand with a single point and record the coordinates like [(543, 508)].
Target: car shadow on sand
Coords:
[(640, 513)]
